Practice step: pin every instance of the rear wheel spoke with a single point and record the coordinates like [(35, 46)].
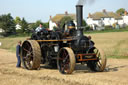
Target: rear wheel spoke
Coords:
[(64, 65), (31, 61)]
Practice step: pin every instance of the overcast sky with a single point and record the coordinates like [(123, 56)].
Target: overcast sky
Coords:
[(34, 10)]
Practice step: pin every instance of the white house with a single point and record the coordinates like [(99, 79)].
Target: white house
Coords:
[(18, 27), (1, 30), (53, 22), (101, 19), (125, 18)]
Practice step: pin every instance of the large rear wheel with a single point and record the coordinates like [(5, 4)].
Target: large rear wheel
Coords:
[(66, 61), (100, 64), (31, 55)]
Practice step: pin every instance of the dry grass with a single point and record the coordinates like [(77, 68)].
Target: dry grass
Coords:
[(114, 44), (114, 74), (10, 43)]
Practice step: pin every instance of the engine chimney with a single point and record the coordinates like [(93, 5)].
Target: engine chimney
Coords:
[(79, 17), (79, 14)]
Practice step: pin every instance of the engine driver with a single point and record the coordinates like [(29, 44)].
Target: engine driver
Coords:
[(39, 28), (70, 31)]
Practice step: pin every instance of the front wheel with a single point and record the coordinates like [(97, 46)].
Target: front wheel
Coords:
[(100, 64), (66, 61)]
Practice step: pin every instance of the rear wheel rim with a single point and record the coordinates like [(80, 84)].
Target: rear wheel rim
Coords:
[(66, 61), (28, 55), (31, 55)]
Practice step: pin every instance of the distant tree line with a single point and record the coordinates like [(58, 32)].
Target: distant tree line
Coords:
[(8, 25), (121, 11)]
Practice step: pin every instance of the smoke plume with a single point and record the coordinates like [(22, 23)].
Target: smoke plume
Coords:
[(82, 2)]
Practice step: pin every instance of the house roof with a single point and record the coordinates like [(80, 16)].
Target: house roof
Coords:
[(58, 17), (104, 14)]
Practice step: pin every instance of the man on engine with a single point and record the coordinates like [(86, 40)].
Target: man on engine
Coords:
[(39, 28)]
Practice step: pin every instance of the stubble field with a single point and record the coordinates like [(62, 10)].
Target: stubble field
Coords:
[(114, 74)]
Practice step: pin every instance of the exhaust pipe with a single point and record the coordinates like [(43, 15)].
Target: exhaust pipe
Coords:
[(79, 17)]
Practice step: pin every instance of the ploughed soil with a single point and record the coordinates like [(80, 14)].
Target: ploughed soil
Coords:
[(116, 73)]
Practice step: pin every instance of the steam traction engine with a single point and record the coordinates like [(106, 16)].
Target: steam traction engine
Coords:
[(62, 49)]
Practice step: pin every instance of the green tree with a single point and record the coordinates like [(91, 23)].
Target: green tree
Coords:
[(46, 25), (7, 24), (120, 11), (31, 26), (86, 27), (84, 23), (24, 26), (38, 22), (17, 20), (64, 20)]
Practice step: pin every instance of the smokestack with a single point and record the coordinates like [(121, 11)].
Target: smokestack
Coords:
[(79, 17)]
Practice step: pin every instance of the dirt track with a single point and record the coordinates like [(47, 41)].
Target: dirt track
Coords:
[(116, 73)]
